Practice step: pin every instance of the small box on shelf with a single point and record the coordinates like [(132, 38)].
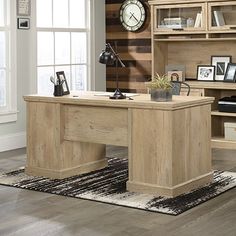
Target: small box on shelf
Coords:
[(230, 131), (173, 23)]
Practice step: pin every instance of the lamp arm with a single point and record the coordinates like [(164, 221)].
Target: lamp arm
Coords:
[(115, 54)]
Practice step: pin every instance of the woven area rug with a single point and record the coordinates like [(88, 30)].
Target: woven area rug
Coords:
[(108, 185)]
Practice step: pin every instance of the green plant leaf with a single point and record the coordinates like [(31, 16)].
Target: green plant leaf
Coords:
[(160, 82)]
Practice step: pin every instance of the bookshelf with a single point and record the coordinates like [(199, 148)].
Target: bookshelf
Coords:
[(212, 32)]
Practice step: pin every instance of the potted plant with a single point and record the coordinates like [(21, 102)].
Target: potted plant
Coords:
[(160, 88)]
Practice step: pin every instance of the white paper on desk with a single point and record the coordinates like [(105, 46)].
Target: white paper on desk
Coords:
[(109, 94)]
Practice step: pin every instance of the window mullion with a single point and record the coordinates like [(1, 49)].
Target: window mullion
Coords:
[(54, 40), (68, 14), (71, 59), (54, 52), (52, 13), (62, 29), (7, 61), (88, 22), (7, 54)]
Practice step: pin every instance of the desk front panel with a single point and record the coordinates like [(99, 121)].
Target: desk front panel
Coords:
[(96, 124)]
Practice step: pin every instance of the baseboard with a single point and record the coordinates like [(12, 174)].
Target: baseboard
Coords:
[(12, 141)]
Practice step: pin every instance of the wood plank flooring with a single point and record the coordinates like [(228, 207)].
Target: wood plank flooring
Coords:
[(24, 212)]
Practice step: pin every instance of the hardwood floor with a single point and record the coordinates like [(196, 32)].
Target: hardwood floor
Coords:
[(24, 212)]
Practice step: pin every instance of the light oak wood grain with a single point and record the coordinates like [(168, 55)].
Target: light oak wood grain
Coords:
[(218, 90), (171, 152), (48, 153), (195, 46), (166, 156), (164, 2), (96, 125)]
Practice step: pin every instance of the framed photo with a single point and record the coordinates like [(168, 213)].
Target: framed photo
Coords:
[(230, 74), (176, 69), (61, 79), (205, 73), (23, 23), (175, 75), (220, 63), (23, 7)]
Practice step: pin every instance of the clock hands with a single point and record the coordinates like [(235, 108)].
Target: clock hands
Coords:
[(132, 15)]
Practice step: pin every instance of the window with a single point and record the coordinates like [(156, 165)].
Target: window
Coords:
[(7, 63), (62, 36)]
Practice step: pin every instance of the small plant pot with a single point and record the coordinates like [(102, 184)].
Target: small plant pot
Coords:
[(161, 95)]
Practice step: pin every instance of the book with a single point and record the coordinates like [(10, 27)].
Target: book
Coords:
[(174, 22), (198, 20), (219, 18)]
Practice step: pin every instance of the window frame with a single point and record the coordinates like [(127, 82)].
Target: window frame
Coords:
[(9, 112), (54, 30)]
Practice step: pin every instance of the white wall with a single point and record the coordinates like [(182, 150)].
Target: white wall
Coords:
[(98, 21), (12, 135)]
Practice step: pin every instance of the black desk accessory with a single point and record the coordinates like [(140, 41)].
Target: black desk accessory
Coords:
[(109, 57)]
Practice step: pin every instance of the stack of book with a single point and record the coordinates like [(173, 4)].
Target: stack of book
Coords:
[(174, 23)]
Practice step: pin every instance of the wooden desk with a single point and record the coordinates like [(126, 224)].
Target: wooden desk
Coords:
[(168, 142)]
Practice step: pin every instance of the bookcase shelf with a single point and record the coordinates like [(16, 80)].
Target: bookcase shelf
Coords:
[(221, 142), (193, 45), (217, 90), (217, 113)]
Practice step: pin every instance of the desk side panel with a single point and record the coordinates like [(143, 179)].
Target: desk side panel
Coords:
[(48, 154), (170, 151), (43, 135), (191, 143), (150, 155)]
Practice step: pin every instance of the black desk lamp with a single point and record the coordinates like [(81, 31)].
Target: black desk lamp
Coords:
[(108, 57)]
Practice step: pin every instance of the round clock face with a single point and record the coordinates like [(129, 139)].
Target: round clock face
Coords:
[(132, 15)]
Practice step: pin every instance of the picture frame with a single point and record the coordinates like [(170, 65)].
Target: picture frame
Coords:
[(176, 69), (175, 75), (230, 74), (205, 73), (220, 63), (23, 7), (61, 79), (23, 23)]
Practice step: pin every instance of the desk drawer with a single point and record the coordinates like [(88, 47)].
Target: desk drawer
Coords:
[(96, 124)]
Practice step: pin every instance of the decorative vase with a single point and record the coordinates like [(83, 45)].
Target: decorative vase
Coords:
[(161, 95)]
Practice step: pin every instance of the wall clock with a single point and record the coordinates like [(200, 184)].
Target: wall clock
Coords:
[(132, 15)]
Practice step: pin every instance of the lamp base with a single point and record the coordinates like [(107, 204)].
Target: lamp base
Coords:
[(118, 95)]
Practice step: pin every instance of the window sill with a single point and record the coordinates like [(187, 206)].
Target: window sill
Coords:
[(8, 116)]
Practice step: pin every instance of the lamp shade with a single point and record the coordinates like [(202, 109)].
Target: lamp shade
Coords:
[(107, 58)]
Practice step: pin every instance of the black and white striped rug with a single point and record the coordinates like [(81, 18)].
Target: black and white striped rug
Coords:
[(108, 185)]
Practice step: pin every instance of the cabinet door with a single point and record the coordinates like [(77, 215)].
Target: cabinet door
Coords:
[(179, 19), (222, 16)]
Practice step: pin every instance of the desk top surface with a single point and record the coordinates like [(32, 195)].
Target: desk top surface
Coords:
[(93, 98)]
